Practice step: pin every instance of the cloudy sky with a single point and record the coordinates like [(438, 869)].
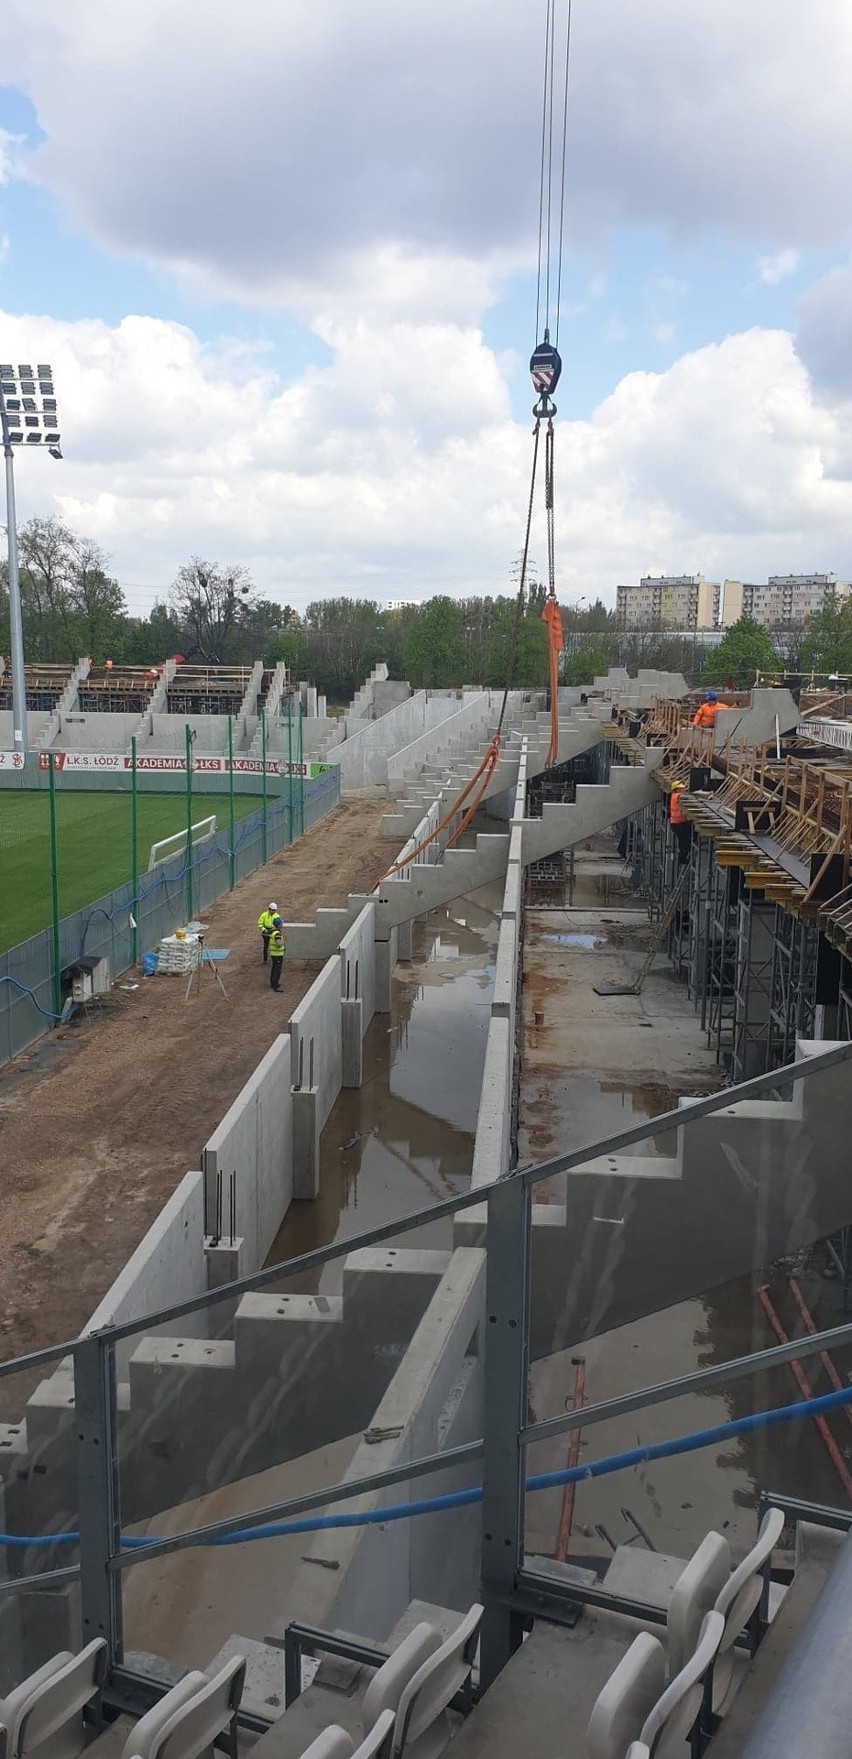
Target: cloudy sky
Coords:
[(282, 257)]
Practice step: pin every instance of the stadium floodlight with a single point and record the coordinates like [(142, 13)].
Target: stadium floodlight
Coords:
[(27, 418)]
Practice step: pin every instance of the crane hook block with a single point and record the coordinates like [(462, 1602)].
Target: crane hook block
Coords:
[(545, 368)]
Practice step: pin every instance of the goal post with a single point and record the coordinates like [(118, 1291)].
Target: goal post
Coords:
[(176, 844)]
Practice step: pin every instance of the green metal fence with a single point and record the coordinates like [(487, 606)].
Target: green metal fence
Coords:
[(77, 839)]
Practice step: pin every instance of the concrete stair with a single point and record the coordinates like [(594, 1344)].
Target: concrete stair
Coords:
[(742, 1188), (273, 703), (66, 705), (577, 734), (421, 886), (159, 701)]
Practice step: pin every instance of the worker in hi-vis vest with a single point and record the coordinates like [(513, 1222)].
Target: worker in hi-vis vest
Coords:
[(265, 923), (681, 827), (705, 715), (277, 949)]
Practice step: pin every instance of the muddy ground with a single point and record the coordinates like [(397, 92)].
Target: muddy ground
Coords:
[(100, 1123)]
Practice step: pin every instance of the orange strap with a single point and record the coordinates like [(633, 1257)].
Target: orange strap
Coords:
[(483, 772), (556, 641)]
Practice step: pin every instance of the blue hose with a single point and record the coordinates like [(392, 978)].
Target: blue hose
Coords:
[(457, 1499)]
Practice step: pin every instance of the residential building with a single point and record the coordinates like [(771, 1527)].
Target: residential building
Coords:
[(785, 601), (401, 604), (669, 601)]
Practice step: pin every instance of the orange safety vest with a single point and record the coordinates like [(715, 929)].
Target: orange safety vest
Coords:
[(705, 716), (677, 815)]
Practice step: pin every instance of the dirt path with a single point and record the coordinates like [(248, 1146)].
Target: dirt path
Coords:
[(99, 1125)]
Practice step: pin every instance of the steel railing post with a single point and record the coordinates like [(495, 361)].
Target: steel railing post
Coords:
[(505, 1356), (98, 1490)]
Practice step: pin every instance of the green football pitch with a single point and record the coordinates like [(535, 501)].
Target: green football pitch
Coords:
[(93, 845)]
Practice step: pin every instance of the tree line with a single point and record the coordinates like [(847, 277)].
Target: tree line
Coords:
[(72, 604)]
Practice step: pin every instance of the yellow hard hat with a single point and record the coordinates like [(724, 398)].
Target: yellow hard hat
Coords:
[(676, 785)]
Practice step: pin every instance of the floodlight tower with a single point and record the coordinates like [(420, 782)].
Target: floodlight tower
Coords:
[(27, 418)]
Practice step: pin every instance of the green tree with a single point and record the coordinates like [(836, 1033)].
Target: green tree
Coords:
[(210, 603), (827, 646), (434, 652), (745, 650), (152, 639), (287, 645), (97, 604), (528, 668)]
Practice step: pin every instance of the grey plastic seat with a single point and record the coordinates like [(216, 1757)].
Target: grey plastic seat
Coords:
[(737, 1601), (628, 1697), (696, 1592), (669, 1723), (44, 1714), (419, 1681), (638, 1750), (194, 1714), (335, 1743)]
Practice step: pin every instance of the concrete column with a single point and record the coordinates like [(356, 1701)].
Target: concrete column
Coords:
[(352, 1017), (306, 1138), (224, 1263), (406, 937), (387, 953)]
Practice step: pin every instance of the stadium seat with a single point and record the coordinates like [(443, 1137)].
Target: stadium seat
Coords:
[(44, 1714), (695, 1594), (335, 1743), (419, 1681), (628, 1697), (669, 1723), (737, 1601), (194, 1714)]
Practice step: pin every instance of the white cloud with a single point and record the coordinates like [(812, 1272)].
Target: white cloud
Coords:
[(824, 332), (10, 155), (359, 478), (309, 156), (777, 268), (664, 332)]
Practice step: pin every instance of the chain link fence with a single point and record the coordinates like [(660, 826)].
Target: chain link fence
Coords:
[(75, 849)]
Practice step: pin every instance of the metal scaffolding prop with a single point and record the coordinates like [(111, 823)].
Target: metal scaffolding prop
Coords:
[(762, 936)]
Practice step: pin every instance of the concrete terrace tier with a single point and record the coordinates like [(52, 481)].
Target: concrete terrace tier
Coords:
[(422, 886)]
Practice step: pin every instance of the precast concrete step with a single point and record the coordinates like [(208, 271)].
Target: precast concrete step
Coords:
[(757, 1181)]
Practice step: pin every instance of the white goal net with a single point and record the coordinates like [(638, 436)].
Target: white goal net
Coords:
[(176, 844)]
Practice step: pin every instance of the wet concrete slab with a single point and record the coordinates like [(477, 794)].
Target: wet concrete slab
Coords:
[(404, 1139), (593, 1066)]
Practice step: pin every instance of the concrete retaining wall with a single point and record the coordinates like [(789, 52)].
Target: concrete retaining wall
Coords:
[(315, 1041), (168, 1266), (464, 724), (363, 759), (358, 964), (434, 1401), (255, 1141)]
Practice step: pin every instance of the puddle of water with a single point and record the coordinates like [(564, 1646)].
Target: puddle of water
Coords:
[(575, 1111), (404, 1139), (586, 941), (610, 884)]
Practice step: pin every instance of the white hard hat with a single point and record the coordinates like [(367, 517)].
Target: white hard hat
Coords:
[(272, 906)]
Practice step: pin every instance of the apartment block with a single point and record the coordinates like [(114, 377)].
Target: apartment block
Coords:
[(669, 601)]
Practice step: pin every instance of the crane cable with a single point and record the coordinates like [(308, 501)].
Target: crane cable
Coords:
[(546, 364), (545, 368)]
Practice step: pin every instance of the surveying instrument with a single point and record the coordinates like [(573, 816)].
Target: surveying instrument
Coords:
[(208, 964)]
